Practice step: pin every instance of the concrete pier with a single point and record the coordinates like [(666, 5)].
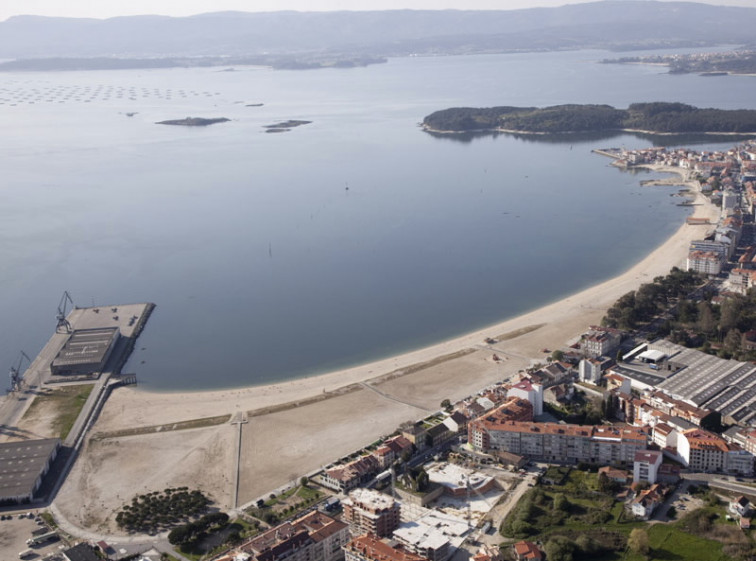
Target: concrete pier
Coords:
[(129, 319)]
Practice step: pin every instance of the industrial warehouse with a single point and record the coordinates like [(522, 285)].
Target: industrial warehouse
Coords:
[(703, 380), (86, 351), (23, 465)]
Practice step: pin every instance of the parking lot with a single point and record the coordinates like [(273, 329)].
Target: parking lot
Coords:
[(681, 500), (16, 528)]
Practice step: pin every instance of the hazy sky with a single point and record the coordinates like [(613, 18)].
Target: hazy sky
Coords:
[(111, 8)]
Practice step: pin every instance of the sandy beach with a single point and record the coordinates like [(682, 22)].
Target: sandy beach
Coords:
[(300, 425)]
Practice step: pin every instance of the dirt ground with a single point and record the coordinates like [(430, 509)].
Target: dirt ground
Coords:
[(111, 471)]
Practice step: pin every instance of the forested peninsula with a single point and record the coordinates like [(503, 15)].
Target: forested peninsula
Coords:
[(656, 117)]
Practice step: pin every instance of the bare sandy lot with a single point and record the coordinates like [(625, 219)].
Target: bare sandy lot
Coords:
[(277, 447), (337, 412), (109, 472)]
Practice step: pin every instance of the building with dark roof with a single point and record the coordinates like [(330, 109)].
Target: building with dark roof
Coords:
[(81, 552), (86, 351), (23, 465)]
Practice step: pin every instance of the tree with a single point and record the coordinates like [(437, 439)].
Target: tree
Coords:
[(180, 535), (561, 502), (559, 548), (586, 545), (304, 481), (446, 405), (638, 541), (706, 321), (732, 340), (557, 355), (605, 484)]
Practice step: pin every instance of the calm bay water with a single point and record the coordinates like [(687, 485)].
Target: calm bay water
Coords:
[(274, 256)]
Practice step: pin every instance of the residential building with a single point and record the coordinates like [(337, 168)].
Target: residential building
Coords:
[(740, 506), (678, 408), (591, 369), (721, 249), (600, 341), (552, 374), (701, 450), (617, 475), (312, 537), (456, 422), (664, 435), (370, 512), (704, 262), (646, 465), (488, 553), (561, 443), (646, 501), (515, 409), (525, 389), (559, 393), (344, 477), (370, 548), (527, 551)]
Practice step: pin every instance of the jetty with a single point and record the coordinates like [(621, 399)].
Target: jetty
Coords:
[(89, 347)]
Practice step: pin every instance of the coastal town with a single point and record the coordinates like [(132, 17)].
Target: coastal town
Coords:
[(636, 434)]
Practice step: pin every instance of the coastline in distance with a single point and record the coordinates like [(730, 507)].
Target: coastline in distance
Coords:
[(654, 117)]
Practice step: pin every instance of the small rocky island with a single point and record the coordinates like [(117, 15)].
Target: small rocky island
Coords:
[(655, 118), (193, 122), (285, 126)]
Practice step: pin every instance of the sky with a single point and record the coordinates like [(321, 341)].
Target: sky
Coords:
[(113, 8)]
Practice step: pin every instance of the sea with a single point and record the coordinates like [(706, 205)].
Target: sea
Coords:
[(274, 256)]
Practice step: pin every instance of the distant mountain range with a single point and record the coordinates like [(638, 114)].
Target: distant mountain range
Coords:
[(616, 25)]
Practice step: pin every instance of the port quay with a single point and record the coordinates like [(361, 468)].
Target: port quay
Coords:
[(90, 345)]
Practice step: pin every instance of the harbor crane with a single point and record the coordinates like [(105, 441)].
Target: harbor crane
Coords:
[(65, 300), (16, 378)]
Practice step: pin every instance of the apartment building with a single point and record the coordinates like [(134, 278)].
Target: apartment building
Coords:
[(370, 548), (561, 443), (370, 512), (312, 537)]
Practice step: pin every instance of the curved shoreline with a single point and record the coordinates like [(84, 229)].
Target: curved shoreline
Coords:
[(559, 321), (299, 426)]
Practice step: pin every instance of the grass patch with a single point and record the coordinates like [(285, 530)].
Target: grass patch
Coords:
[(66, 401), (519, 332), (184, 425), (286, 505), (308, 493), (598, 527), (671, 542), (48, 518)]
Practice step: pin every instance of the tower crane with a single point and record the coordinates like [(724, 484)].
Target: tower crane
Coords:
[(16, 378), (65, 300)]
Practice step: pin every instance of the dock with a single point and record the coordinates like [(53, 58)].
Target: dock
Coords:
[(109, 334)]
